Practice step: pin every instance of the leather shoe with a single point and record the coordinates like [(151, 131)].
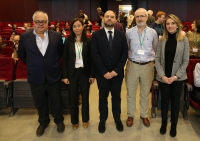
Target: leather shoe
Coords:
[(119, 125), (60, 128), (145, 121), (102, 127), (85, 124), (40, 130), (129, 121), (75, 126)]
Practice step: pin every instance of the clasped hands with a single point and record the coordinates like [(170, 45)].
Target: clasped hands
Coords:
[(110, 75), (168, 80)]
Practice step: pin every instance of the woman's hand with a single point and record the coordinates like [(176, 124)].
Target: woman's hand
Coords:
[(91, 80), (172, 79), (166, 80), (66, 81)]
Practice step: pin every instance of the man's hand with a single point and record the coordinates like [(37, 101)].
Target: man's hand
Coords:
[(66, 80), (91, 80), (107, 75), (113, 73)]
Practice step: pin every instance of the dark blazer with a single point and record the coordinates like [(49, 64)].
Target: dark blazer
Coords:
[(41, 67), (106, 60), (69, 58)]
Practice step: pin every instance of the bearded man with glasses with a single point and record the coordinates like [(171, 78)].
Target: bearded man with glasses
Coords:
[(142, 42), (41, 50)]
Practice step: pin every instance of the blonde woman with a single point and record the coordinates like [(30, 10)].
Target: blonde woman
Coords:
[(171, 60)]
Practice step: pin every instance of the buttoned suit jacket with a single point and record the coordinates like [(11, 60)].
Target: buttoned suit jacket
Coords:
[(107, 60)]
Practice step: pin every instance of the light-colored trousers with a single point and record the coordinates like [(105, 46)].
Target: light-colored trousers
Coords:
[(143, 75)]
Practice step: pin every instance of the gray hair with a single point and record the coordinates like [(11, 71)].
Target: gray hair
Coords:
[(145, 11), (37, 12)]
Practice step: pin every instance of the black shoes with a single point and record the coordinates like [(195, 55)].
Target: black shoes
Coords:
[(40, 130), (119, 125), (163, 127), (173, 130), (60, 128), (102, 127)]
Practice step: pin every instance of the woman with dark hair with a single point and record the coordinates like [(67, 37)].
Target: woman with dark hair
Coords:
[(172, 56), (78, 70), (194, 39)]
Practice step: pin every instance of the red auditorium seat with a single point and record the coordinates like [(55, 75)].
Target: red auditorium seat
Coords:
[(22, 97), (8, 43), (5, 35), (6, 81), (190, 69), (62, 23), (7, 51)]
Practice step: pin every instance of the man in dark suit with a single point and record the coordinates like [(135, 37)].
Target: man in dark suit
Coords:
[(41, 50), (109, 51)]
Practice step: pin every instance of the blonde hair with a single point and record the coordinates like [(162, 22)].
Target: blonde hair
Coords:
[(179, 35)]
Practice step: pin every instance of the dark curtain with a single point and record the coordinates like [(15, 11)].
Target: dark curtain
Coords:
[(104, 5), (134, 4)]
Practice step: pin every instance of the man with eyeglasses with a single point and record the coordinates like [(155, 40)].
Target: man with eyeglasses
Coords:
[(142, 42), (41, 50)]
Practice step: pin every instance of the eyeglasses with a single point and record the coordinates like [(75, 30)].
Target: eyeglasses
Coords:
[(40, 22), (140, 16)]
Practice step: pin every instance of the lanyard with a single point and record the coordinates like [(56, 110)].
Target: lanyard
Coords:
[(196, 40), (141, 41), (79, 48)]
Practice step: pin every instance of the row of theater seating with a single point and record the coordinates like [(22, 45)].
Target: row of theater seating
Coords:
[(15, 90)]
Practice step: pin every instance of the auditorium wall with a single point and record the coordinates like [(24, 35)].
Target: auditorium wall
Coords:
[(22, 10)]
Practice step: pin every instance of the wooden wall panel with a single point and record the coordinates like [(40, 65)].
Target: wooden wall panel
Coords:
[(22, 10), (5, 10), (30, 7)]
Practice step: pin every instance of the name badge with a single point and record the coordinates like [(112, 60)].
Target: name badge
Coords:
[(195, 49), (140, 51), (79, 61)]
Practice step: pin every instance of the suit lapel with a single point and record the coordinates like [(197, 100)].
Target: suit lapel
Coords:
[(177, 48), (115, 39), (104, 35), (73, 47), (163, 49), (33, 40)]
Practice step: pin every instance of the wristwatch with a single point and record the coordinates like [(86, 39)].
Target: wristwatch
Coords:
[(176, 77)]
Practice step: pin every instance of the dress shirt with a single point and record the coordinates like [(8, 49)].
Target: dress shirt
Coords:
[(42, 43), (106, 30), (79, 61), (149, 44), (197, 75)]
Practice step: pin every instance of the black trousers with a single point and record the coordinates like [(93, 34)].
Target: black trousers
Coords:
[(114, 87), (79, 83), (170, 92), (41, 95)]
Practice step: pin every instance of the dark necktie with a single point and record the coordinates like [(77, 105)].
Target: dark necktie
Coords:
[(110, 39)]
